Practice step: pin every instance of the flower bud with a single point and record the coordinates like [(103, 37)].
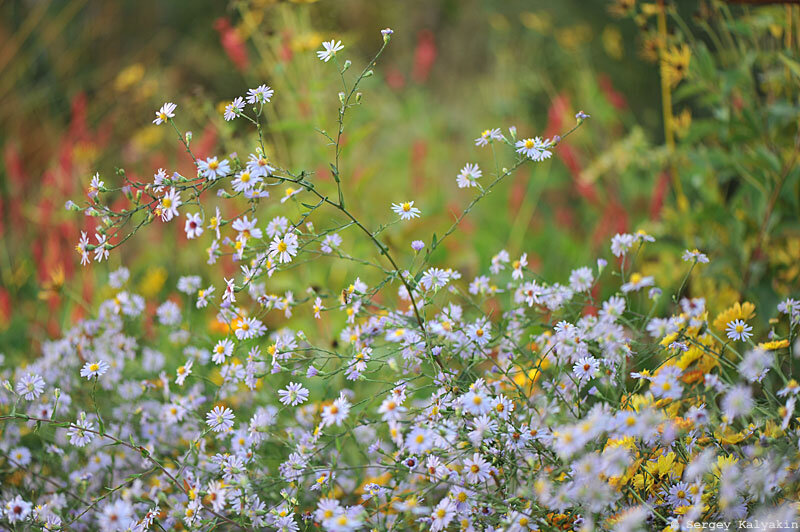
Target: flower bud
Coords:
[(387, 34)]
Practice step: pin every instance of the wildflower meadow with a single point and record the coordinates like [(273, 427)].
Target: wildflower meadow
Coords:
[(339, 266)]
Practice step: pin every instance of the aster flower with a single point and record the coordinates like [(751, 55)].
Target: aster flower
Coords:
[(284, 247), (329, 50), (17, 509), (488, 136), (183, 371), (331, 242), (406, 210), (81, 433), (476, 469), (234, 109), (220, 419), (434, 278), (100, 251), (193, 226), (581, 279), (535, 148), (469, 175), (260, 94), (30, 386), (636, 282), (737, 402), (586, 368), (738, 330), (222, 351), (336, 412), (83, 248), (94, 369), (621, 244), (442, 514), (294, 394), (258, 166), (168, 206), (212, 168), (694, 255), (166, 112)]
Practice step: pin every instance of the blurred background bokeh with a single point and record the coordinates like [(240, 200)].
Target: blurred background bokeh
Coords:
[(80, 81)]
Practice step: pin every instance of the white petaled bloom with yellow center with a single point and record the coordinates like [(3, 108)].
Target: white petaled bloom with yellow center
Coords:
[(284, 247), (406, 210), (166, 112), (94, 369)]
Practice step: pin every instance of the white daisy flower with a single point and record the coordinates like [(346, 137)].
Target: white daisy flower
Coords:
[(406, 210), (166, 112), (329, 50)]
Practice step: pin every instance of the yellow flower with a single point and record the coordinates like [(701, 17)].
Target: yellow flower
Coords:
[(682, 122), (776, 344), (729, 437), (723, 462), (744, 311), (675, 63), (540, 22), (129, 76), (153, 282), (665, 466), (650, 47)]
